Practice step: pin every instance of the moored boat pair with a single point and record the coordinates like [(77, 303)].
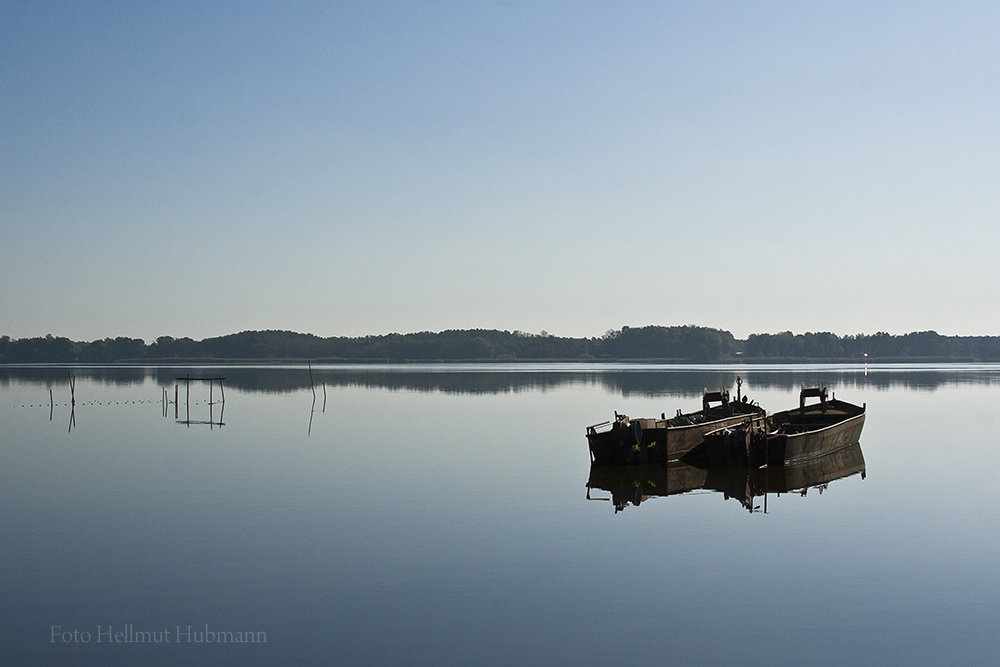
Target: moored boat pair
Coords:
[(732, 434)]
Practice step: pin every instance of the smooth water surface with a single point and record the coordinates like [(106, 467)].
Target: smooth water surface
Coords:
[(440, 515)]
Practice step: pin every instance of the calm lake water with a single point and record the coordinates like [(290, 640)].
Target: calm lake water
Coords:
[(440, 516)]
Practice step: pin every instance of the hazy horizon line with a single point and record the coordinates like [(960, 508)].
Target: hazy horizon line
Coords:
[(543, 332)]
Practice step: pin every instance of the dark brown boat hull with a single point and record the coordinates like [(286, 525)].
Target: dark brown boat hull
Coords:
[(791, 436), (619, 446), (793, 448)]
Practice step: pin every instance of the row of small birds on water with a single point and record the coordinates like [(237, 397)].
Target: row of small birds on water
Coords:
[(160, 402)]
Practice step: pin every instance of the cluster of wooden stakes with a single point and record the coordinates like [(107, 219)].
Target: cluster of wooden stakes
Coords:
[(187, 380)]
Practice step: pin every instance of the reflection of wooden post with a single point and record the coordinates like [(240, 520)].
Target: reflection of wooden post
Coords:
[(51, 404), (176, 414), (324, 397), (223, 392), (312, 411)]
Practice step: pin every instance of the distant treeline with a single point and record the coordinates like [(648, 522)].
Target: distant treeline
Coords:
[(650, 343)]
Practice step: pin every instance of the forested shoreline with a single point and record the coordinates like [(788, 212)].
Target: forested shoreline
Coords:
[(690, 344)]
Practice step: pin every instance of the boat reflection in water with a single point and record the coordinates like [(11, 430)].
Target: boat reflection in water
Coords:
[(632, 485)]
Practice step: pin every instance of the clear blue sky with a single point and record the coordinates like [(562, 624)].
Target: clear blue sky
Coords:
[(201, 168)]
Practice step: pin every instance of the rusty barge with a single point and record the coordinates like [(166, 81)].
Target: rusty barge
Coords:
[(790, 436), (626, 441)]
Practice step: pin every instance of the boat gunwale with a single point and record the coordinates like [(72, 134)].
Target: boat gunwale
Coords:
[(757, 414), (847, 418), (748, 415)]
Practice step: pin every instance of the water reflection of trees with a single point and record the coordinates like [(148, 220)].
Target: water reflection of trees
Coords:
[(49, 376), (487, 379)]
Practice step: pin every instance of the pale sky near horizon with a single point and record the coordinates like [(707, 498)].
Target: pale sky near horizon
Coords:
[(202, 168)]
